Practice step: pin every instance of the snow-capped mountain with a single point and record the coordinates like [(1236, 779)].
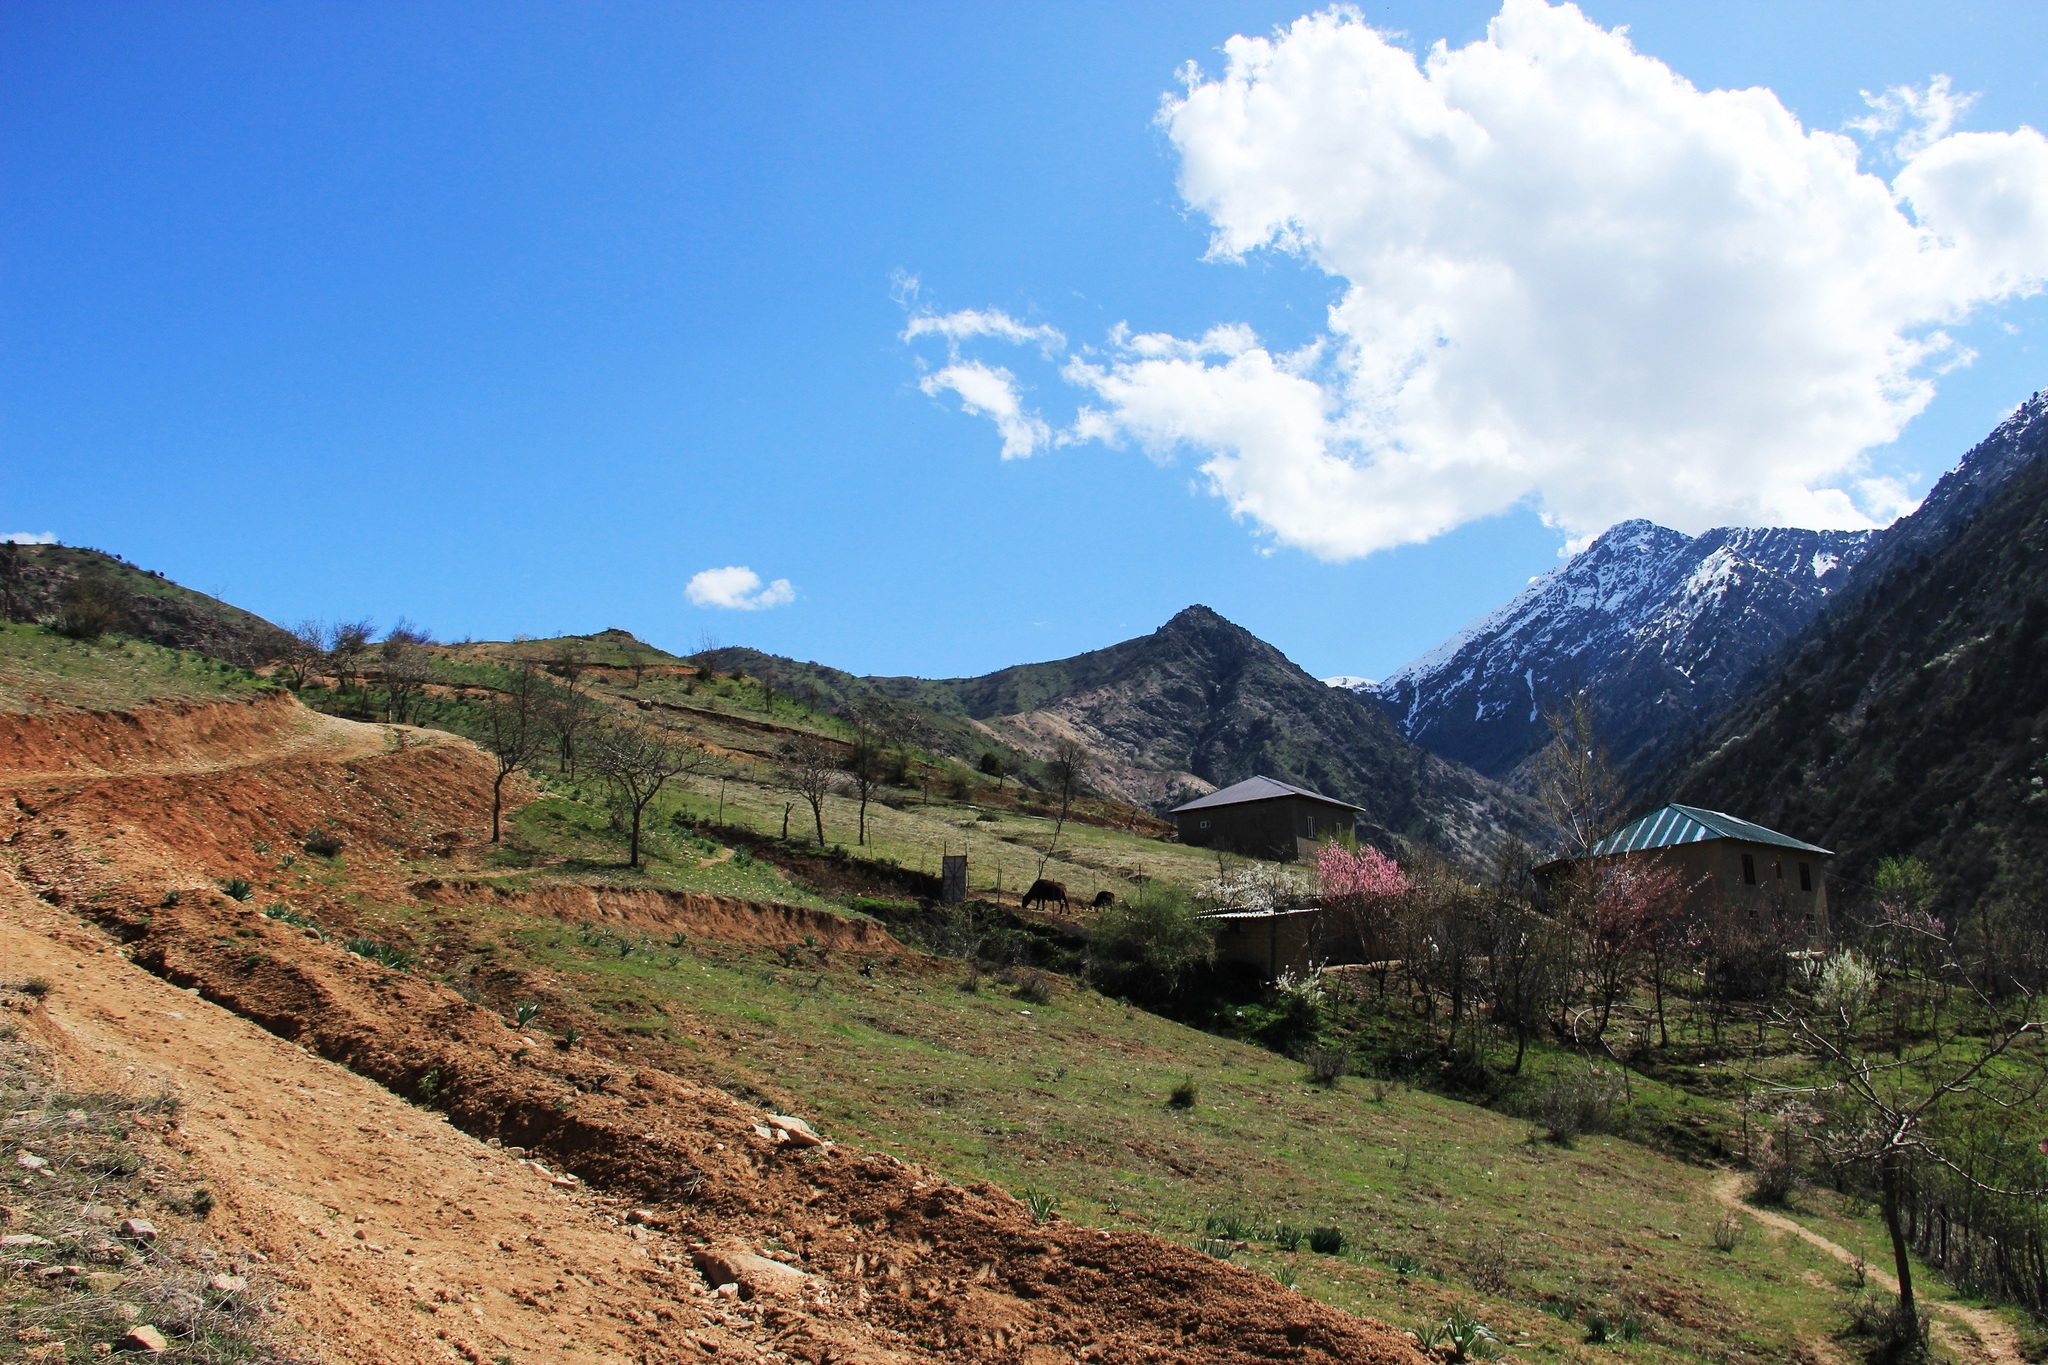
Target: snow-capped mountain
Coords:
[(1660, 626)]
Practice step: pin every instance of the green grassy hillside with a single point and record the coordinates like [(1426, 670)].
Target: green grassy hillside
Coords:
[(1443, 1206)]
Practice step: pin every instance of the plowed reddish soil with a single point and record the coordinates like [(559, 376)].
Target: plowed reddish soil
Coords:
[(406, 1232)]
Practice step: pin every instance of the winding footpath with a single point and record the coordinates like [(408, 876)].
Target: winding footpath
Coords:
[(1994, 1339)]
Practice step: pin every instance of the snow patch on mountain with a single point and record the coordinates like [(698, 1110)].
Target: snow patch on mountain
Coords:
[(1657, 624)]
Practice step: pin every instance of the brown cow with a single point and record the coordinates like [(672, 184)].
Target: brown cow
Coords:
[(1104, 899), (1045, 893)]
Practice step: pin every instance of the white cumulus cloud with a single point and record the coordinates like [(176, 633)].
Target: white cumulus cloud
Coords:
[(1570, 280), (737, 588), (28, 537)]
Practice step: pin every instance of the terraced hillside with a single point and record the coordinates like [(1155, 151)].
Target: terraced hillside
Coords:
[(377, 1034)]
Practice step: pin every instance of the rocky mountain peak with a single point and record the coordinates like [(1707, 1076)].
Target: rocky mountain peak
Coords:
[(1658, 624)]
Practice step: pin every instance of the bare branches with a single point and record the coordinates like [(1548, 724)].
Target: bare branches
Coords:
[(515, 731), (638, 759), (866, 765), (1574, 779), (1064, 770), (810, 770)]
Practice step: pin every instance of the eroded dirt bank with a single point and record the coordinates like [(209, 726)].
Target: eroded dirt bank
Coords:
[(300, 1059)]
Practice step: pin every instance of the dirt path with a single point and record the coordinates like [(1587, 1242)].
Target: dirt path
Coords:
[(397, 1238), (1994, 1340), (306, 734)]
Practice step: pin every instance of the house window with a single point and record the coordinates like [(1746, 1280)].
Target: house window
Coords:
[(1205, 824), (1805, 877), (1311, 827), (1749, 869)]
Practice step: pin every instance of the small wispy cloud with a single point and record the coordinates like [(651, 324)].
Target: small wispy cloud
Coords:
[(958, 326), (28, 537), (1912, 120), (991, 391), (737, 588)]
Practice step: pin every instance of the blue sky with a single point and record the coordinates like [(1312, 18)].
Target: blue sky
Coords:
[(516, 318)]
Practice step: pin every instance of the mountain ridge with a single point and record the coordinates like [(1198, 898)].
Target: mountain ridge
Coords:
[(1658, 625), (1193, 706), (1912, 718)]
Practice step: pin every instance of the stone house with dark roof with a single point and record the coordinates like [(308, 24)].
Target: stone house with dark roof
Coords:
[(1264, 818)]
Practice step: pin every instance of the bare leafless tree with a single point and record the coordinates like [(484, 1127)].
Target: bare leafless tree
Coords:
[(810, 770), (638, 759), (1887, 1107), (404, 665), (304, 652), (515, 730), (866, 764), (1574, 779), (347, 644), (1064, 772)]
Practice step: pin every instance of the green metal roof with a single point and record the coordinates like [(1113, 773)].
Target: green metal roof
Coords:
[(1673, 825)]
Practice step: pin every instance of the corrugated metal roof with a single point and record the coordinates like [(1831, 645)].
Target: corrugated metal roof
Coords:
[(1262, 914), (1673, 825), (1257, 789)]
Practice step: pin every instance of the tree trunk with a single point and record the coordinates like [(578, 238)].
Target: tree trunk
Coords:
[(1909, 1320), (863, 831), (818, 819), (498, 800), (633, 845)]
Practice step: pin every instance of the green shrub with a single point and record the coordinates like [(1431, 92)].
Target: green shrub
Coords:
[(1042, 1203), (1149, 949), (238, 888), (1326, 1063), (1230, 1227), (383, 954), (524, 1013), (1287, 1237), (324, 843), (1576, 1104), (1326, 1241), (1184, 1095)]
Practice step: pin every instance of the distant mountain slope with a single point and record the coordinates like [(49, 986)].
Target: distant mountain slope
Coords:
[(1659, 625), (1195, 705), (1201, 703), (1913, 718), (160, 611)]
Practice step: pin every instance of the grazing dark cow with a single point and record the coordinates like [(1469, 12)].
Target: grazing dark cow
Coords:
[(1103, 900), (1044, 893)]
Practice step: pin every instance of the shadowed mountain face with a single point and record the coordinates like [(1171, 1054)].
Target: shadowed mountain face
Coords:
[(1198, 704), (1660, 626), (1913, 717), (33, 580)]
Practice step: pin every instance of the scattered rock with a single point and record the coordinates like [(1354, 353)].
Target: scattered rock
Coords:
[(564, 1182), (641, 1216), (102, 1281), (141, 1229), (25, 1239), (145, 1338), (730, 1263), (98, 1213), (30, 1161), (796, 1131), (227, 1284)]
